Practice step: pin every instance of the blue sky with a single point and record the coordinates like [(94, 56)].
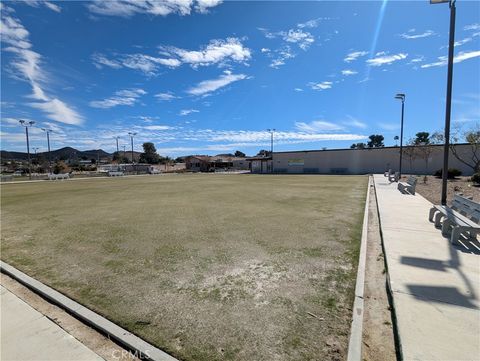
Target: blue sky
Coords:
[(208, 77)]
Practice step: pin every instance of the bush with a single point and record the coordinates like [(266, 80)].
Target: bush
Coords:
[(452, 173), (476, 178)]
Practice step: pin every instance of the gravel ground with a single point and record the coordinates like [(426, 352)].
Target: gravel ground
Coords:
[(431, 188)]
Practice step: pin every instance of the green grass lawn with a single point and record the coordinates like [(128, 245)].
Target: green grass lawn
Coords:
[(205, 267)]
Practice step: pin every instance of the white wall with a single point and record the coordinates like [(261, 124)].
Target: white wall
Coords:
[(363, 161)]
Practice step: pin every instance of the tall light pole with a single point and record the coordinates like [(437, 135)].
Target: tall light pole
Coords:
[(27, 125), (132, 134), (271, 131), (448, 109), (48, 131), (401, 96), (117, 138)]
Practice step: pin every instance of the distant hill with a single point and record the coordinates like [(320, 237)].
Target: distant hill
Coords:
[(66, 153)]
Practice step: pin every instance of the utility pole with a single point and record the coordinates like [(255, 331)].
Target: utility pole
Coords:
[(272, 131), (401, 96), (26, 125), (448, 108), (132, 134), (48, 131)]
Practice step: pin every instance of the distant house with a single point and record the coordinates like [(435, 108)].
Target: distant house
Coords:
[(205, 163), (260, 164)]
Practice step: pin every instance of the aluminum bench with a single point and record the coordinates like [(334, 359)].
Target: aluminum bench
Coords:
[(409, 186), (463, 217)]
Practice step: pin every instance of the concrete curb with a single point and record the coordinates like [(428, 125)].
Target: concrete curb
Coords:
[(396, 333), (136, 345), (356, 330)]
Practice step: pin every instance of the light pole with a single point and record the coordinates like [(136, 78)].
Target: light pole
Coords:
[(448, 109), (117, 138), (271, 131), (132, 134), (401, 96), (48, 131), (26, 125)]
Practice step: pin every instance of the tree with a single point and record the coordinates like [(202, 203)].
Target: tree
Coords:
[(437, 138), (263, 153), (422, 138), (396, 138), (376, 141), (471, 158), (240, 154), (60, 167), (410, 152), (149, 154), (358, 146)]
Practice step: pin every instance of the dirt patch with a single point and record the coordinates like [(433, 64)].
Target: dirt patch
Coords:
[(431, 189), (378, 339)]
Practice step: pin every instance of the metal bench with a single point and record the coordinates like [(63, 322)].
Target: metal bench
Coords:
[(409, 186), (115, 174), (463, 217), (394, 177), (62, 176)]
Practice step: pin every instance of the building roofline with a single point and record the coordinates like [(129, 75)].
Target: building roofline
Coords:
[(367, 149)]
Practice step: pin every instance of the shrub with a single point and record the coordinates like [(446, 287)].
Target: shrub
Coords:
[(452, 173), (476, 178)]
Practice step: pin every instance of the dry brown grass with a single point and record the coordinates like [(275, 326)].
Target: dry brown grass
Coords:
[(206, 267)]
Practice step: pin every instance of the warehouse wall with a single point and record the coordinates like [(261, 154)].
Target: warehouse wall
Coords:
[(363, 161)]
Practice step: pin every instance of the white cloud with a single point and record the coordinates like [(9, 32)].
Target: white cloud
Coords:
[(425, 34), (461, 56), (59, 111), (417, 60), (472, 27), (219, 52), (28, 65), (216, 52), (310, 23), (184, 112), (48, 4), (354, 122), (348, 72), (208, 86), (303, 38), (354, 56), (121, 97), (317, 126), (165, 96), (298, 89), (321, 86), (281, 55), (99, 60), (145, 63), (127, 8), (157, 127), (462, 41), (386, 59)]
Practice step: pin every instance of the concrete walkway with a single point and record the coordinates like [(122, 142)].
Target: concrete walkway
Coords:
[(26, 334), (435, 286)]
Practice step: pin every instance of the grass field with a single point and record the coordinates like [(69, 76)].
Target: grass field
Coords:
[(206, 267)]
